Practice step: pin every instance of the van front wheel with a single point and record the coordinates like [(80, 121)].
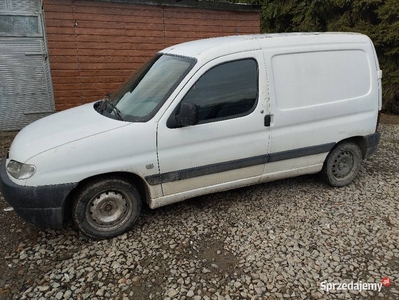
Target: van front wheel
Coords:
[(342, 164), (106, 208)]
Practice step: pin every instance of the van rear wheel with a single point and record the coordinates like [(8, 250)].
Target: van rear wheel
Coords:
[(342, 164), (106, 208)]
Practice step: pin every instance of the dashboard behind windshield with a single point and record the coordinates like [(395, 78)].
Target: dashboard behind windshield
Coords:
[(141, 96)]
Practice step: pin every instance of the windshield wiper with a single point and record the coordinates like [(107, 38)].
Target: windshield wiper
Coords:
[(116, 110), (106, 103)]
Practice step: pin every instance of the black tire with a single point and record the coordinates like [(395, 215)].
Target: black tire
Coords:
[(106, 208), (342, 164)]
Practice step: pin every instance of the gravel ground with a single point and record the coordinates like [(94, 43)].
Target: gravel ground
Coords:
[(282, 239)]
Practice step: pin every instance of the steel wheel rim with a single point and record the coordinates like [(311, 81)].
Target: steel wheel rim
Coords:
[(108, 210), (343, 165)]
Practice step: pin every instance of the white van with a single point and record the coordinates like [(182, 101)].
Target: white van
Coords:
[(201, 117)]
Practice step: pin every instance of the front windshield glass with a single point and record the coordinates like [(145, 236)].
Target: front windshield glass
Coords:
[(140, 97)]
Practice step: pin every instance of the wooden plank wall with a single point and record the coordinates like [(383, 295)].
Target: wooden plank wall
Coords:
[(95, 46)]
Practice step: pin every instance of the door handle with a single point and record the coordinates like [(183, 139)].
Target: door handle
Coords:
[(268, 119)]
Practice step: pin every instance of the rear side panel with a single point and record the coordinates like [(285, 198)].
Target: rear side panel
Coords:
[(320, 94)]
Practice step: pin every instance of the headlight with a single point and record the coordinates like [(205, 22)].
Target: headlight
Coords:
[(19, 170)]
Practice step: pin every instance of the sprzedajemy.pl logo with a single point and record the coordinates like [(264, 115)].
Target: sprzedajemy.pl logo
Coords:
[(354, 286)]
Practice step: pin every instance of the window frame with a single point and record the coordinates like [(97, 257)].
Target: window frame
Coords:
[(24, 14), (171, 122)]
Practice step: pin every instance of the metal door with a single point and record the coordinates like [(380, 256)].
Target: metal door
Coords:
[(25, 83), (227, 149)]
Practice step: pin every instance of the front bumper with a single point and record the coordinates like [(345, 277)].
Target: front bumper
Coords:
[(40, 205)]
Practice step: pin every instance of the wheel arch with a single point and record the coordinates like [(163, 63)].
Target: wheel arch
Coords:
[(135, 179), (358, 140)]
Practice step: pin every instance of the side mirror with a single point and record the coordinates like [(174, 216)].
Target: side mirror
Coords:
[(188, 114)]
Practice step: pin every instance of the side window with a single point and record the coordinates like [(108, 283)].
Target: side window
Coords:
[(225, 91)]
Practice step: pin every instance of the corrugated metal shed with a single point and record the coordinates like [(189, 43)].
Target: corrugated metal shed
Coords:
[(25, 82)]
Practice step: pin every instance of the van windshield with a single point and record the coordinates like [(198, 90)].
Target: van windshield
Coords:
[(140, 97)]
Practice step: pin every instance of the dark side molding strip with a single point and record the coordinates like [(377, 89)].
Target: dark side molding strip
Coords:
[(237, 164)]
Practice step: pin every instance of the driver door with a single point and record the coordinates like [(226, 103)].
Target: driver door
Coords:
[(230, 142)]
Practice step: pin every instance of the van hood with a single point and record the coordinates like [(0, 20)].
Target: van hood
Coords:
[(59, 129)]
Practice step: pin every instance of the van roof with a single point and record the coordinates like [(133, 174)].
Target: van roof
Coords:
[(214, 47)]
